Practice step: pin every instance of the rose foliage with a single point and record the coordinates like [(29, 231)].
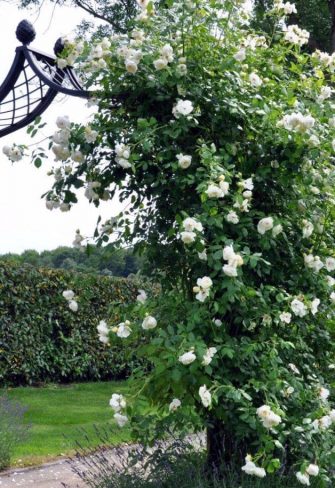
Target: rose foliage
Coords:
[(221, 143)]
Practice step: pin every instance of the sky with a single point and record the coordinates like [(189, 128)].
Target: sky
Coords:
[(25, 223)]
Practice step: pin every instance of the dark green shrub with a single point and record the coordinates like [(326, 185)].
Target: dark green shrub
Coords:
[(12, 429), (42, 340)]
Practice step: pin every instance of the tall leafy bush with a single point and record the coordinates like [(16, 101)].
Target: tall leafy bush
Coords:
[(41, 339)]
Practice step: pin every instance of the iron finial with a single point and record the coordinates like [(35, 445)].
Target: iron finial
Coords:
[(25, 32), (59, 46)]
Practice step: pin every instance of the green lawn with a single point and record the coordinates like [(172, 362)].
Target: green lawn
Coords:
[(56, 411)]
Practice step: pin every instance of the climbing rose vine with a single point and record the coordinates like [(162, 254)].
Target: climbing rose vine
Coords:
[(221, 143)]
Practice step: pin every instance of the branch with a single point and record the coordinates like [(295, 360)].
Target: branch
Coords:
[(93, 12)]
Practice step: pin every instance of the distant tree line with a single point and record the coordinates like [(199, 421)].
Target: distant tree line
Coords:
[(97, 260)]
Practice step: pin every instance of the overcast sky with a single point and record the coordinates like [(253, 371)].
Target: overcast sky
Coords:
[(25, 223)]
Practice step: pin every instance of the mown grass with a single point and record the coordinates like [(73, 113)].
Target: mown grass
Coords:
[(57, 413)]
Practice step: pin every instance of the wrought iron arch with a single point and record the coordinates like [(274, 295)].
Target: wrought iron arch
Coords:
[(33, 82)]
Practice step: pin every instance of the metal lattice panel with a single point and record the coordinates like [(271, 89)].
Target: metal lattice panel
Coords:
[(32, 83)]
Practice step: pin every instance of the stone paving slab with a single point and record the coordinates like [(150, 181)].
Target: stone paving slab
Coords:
[(50, 475)]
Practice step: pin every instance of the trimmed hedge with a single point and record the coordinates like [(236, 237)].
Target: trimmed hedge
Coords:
[(42, 340)]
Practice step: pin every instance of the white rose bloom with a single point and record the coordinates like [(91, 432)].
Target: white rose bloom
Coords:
[(124, 163), (278, 229), (247, 194), (61, 137), (314, 141), (313, 262), (73, 305), (61, 152), (117, 402), (131, 66), (330, 281), (312, 470), (202, 295), (205, 282), (104, 338), (187, 358), (174, 405), (302, 478), (217, 322), (324, 393), (190, 224), (202, 255), (285, 317), (247, 184), (123, 330), (255, 80), (232, 217), (90, 134), (77, 156), (314, 305), (295, 35), (121, 420), (240, 55), (160, 63), (6, 150), (294, 368), (61, 63), (325, 92), (188, 237), (228, 253), (265, 225), (230, 270), (208, 356), (325, 422), (214, 191), (332, 296), (205, 396), (68, 294), (103, 328), (149, 323), (182, 107), (202, 289), (64, 207), (234, 260), (184, 161), (224, 186), (287, 8), (167, 52), (330, 264), (297, 122), (142, 296), (63, 122), (251, 469), (307, 229), (268, 417), (298, 308)]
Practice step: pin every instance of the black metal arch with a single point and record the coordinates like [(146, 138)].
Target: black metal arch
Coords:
[(32, 83)]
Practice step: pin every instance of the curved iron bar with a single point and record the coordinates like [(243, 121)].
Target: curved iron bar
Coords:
[(51, 81)]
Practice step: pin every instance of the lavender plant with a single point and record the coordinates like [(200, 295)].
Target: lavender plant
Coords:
[(13, 429)]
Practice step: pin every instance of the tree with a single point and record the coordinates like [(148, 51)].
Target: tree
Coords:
[(115, 14), (317, 17), (221, 142)]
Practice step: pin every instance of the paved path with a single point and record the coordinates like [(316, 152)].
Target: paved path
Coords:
[(53, 475), (50, 475)]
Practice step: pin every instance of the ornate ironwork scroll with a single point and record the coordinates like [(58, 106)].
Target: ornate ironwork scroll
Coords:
[(32, 83)]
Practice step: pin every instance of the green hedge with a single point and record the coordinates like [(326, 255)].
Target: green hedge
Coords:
[(42, 340)]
